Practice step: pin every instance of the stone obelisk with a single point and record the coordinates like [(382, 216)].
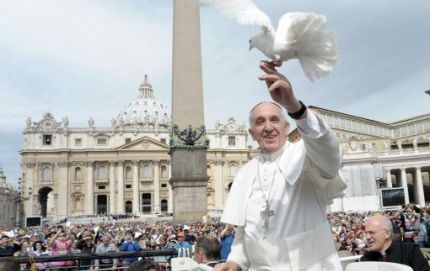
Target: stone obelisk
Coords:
[(188, 143)]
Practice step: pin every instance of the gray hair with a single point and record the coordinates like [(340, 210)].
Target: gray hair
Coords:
[(255, 106), (388, 225)]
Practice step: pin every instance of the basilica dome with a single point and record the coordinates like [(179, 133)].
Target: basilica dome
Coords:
[(145, 109)]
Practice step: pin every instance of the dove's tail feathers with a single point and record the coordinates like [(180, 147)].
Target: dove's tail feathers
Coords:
[(303, 36), (314, 68)]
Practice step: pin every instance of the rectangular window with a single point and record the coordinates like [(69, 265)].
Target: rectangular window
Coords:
[(78, 141), (101, 141), (47, 139), (163, 185), (128, 186), (232, 141), (101, 187)]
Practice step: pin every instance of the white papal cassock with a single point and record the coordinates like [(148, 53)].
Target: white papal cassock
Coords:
[(300, 181)]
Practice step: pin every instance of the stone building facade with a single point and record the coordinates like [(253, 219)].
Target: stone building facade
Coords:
[(9, 201), (378, 155), (125, 168)]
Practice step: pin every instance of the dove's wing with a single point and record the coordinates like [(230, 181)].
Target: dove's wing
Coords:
[(302, 35), (245, 12)]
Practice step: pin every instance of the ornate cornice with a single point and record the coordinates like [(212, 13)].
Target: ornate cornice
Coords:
[(30, 164), (63, 164), (216, 162), (77, 163)]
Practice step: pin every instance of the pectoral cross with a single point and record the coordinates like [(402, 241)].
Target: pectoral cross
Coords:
[(266, 214)]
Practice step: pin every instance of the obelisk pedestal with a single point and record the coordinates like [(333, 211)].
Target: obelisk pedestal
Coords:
[(188, 144)]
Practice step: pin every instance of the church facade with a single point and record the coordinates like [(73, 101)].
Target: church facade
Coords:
[(125, 168), (377, 156), (9, 203)]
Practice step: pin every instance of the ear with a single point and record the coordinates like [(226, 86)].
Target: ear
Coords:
[(287, 127)]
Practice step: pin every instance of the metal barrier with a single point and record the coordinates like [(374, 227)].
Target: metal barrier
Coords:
[(13, 263)]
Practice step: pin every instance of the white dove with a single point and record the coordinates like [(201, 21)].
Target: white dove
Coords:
[(299, 35)]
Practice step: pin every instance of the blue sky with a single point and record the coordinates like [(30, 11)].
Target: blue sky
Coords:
[(84, 59)]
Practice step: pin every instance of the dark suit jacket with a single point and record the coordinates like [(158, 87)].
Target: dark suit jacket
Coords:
[(403, 253)]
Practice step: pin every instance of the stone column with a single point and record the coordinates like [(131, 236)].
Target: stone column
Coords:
[(55, 205), (189, 174), (27, 197), (62, 184), (136, 188), (112, 198), (120, 203), (89, 193), (405, 184), (156, 187), (170, 202), (419, 187), (388, 176), (218, 181), (399, 146)]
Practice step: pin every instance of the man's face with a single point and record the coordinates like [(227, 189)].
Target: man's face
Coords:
[(269, 127), (198, 256), (106, 240), (377, 235), (5, 241)]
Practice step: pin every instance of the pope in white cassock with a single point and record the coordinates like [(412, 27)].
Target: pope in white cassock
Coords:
[(278, 200)]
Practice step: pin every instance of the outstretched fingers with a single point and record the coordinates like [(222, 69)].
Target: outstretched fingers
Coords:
[(268, 67)]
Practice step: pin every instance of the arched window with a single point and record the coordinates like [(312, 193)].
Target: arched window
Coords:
[(47, 174), (164, 205), (164, 173), (128, 173), (233, 170), (145, 171), (78, 174), (101, 172)]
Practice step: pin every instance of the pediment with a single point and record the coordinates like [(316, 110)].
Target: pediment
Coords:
[(145, 143), (102, 135)]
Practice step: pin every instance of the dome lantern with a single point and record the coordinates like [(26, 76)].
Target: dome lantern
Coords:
[(145, 109), (145, 89)]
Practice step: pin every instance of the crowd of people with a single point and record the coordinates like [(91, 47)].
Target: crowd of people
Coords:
[(348, 230), (410, 224), (63, 239)]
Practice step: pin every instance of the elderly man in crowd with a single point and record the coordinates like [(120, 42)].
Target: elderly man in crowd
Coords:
[(278, 200), (207, 251), (182, 244), (379, 231), (106, 246)]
